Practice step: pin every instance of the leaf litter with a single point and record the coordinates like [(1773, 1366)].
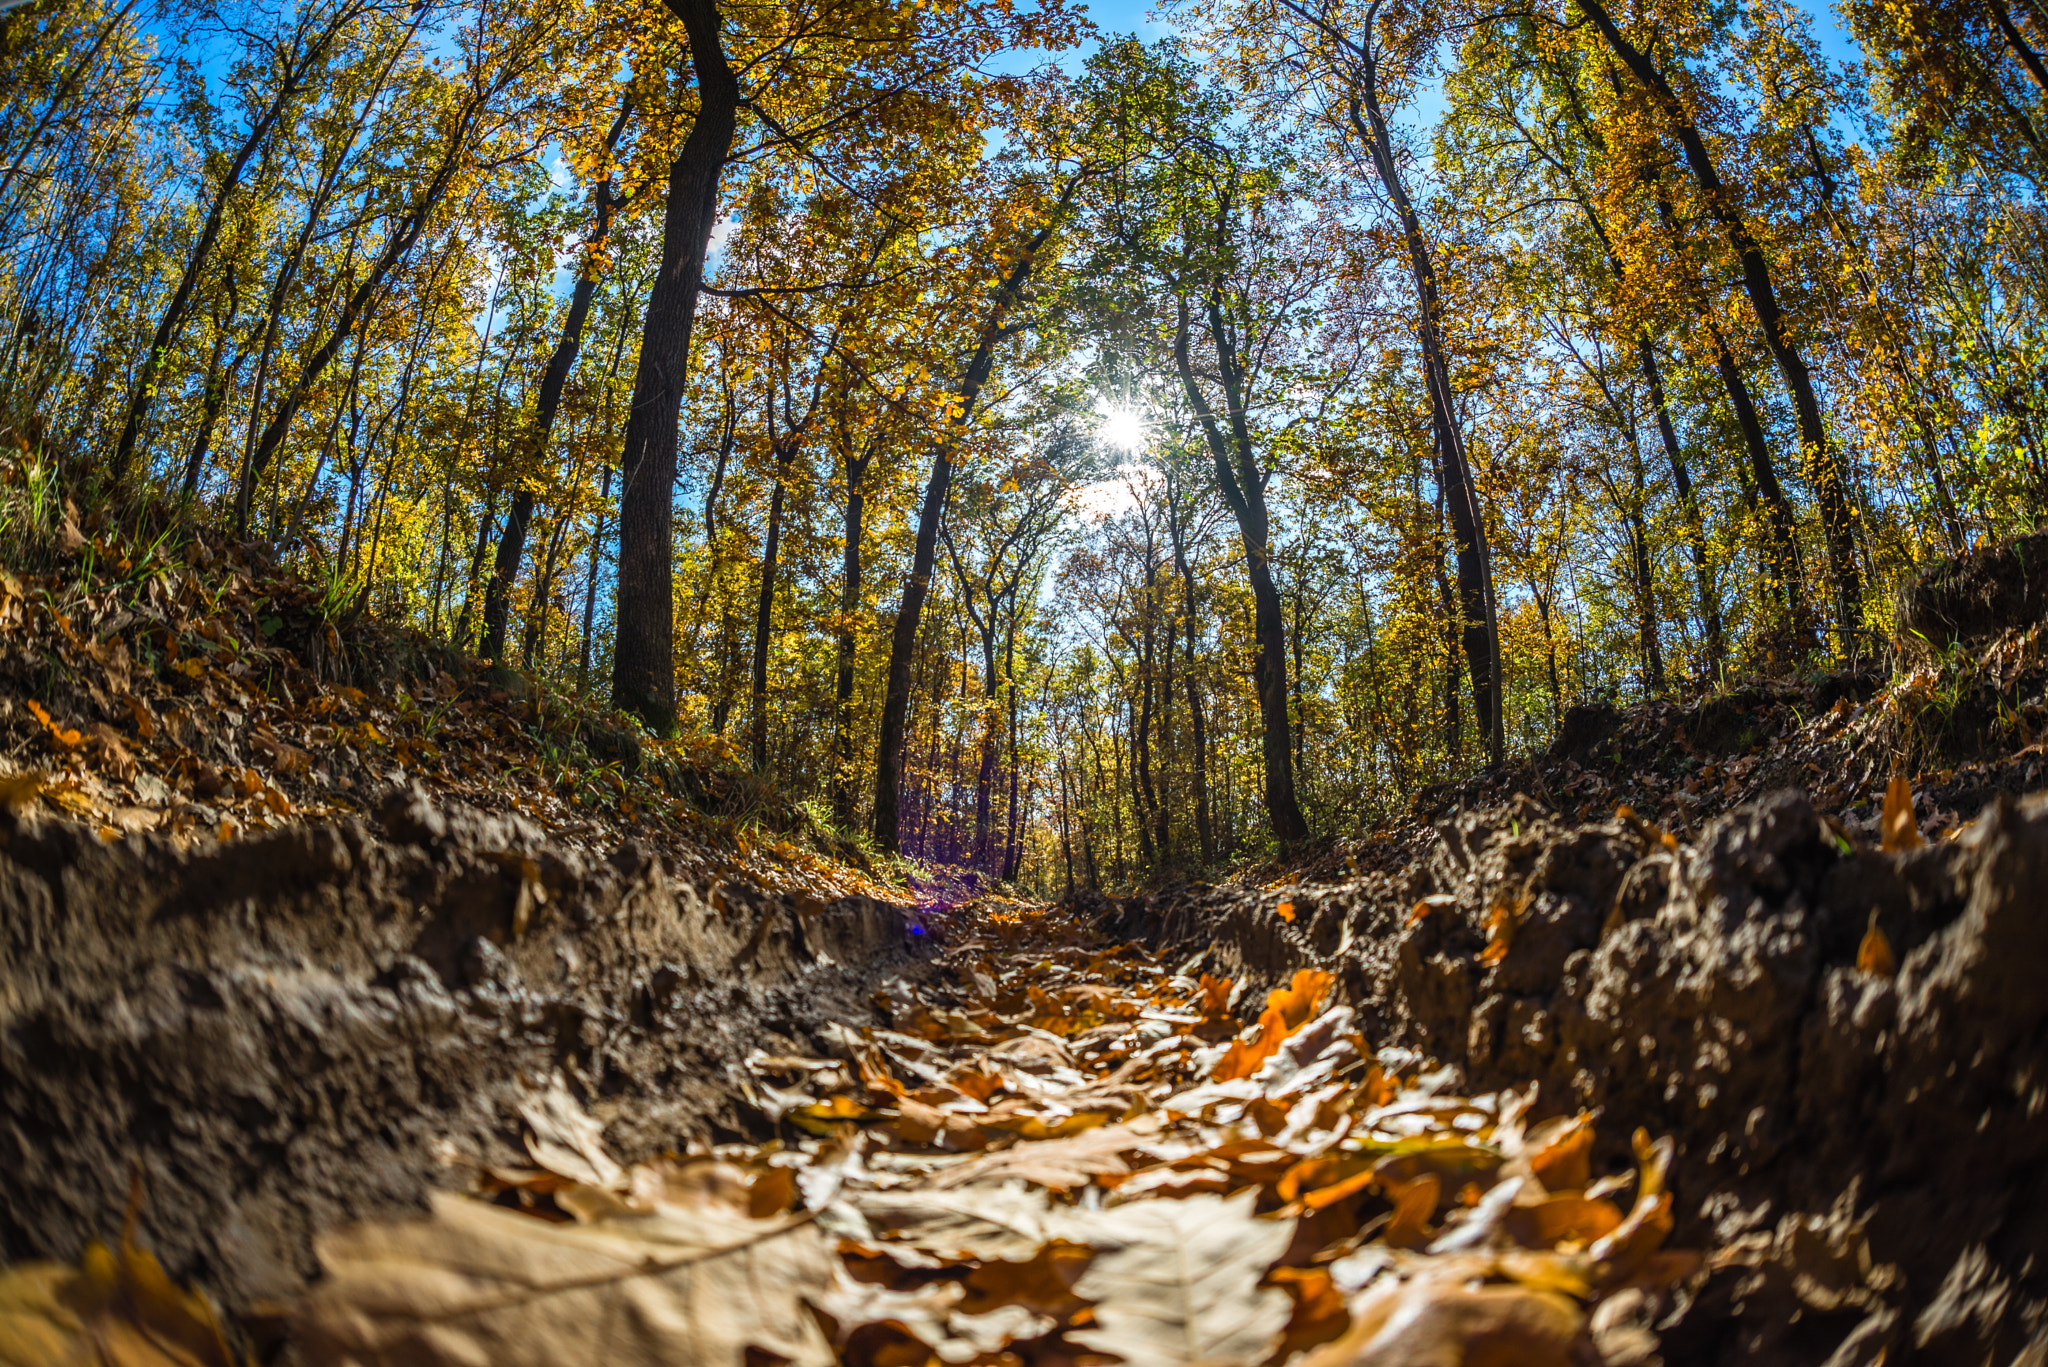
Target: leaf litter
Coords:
[(1059, 1153)]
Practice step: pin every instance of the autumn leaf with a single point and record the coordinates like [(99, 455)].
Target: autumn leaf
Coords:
[(1874, 953), (1287, 1010), (1179, 1284), (1431, 1322), (117, 1308), (18, 791), (1060, 1164), (477, 1283), (1899, 830), (62, 738)]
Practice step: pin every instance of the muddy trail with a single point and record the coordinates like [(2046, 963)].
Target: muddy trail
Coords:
[(429, 1089), (434, 1092)]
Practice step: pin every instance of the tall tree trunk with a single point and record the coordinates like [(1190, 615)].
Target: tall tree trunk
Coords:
[(1205, 832), (590, 585), (771, 549), (1830, 485), (1243, 486), (1781, 538), (1646, 583), (848, 644), (512, 545), (917, 587), (643, 662), (1480, 627), (1689, 505)]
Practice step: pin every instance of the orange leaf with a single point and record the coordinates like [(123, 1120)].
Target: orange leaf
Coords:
[(1900, 829), (1287, 1010), (1414, 1203), (1285, 911), (1874, 955), (63, 737)]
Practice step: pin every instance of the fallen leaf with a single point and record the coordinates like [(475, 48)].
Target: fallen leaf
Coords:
[(64, 738), (1180, 1284), (475, 1283), (1874, 954), (564, 1139), (1898, 830), (1287, 1010), (1428, 1322), (117, 1308), (1285, 911), (18, 791), (1061, 1164)]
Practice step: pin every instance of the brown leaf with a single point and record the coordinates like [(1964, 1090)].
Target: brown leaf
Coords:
[(1898, 830), (62, 738), (564, 1139), (1287, 1010), (1438, 1323), (18, 791), (1176, 1282), (1061, 1164), (476, 1283), (1874, 954), (117, 1308)]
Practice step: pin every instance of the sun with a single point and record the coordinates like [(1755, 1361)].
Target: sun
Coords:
[(1121, 428)]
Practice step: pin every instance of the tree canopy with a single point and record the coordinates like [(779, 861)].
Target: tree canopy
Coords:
[(1073, 458)]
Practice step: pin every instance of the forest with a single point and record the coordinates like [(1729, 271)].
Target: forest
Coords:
[(990, 683), (1070, 457)]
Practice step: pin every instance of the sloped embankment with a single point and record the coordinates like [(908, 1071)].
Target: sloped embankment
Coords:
[(1864, 1147), (282, 1034)]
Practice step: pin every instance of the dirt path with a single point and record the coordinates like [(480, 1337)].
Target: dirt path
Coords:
[(1781, 1103), (1054, 1151)]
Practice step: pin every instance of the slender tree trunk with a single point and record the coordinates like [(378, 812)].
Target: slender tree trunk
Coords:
[(1205, 833), (1781, 539), (1480, 627), (917, 587), (590, 586), (1646, 583), (1830, 484), (985, 770), (1243, 488), (848, 645), (1689, 506), (643, 663), (764, 613), (512, 545)]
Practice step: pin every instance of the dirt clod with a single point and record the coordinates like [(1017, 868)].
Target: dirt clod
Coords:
[(1867, 1151)]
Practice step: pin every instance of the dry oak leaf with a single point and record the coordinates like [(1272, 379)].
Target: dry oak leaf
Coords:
[(1061, 1164), (1287, 1010), (1435, 1322), (1176, 1283), (1899, 830), (1006, 1224), (479, 1284), (115, 1309), (565, 1139)]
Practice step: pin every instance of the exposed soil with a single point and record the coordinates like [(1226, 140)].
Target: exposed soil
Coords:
[(1864, 1151), (302, 1028)]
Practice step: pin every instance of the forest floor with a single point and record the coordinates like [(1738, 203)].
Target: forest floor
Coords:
[(360, 1006)]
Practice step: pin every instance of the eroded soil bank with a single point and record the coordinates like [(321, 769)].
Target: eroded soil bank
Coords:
[(293, 1031), (1862, 1150)]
